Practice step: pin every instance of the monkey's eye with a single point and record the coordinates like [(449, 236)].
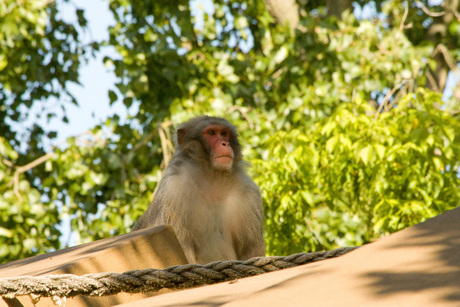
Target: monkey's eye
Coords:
[(212, 132), (223, 133)]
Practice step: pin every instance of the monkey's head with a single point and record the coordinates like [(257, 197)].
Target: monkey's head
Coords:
[(210, 140)]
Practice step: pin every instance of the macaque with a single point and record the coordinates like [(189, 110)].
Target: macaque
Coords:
[(214, 208)]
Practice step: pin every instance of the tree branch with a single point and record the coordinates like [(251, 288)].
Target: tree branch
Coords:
[(406, 12), (387, 97), (428, 12), (450, 61), (284, 11), (166, 144), (244, 113), (22, 169)]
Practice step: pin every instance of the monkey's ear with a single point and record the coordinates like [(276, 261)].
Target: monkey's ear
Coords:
[(180, 135)]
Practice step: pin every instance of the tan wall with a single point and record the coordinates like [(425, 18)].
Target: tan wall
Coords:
[(147, 248)]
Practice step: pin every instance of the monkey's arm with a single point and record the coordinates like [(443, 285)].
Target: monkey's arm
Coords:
[(251, 243)]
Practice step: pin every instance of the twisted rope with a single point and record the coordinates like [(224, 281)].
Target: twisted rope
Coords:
[(174, 277)]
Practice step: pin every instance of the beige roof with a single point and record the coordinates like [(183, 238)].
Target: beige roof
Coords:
[(419, 266)]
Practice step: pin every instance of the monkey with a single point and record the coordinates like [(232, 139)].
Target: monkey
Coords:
[(205, 194)]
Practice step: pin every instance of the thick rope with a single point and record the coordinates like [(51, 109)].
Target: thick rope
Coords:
[(174, 277)]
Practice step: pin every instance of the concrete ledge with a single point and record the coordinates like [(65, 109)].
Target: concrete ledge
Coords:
[(155, 247)]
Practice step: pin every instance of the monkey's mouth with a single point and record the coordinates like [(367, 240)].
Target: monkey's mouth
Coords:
[(226, 159), (224, 162)]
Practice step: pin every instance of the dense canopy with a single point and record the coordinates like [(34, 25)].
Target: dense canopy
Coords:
[(344, 111)]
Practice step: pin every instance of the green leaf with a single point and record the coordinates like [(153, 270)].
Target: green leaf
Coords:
[(113, 97), (281, 55), (380, 150), (365, 154), (331, 143), (6, 232), (438, 164)]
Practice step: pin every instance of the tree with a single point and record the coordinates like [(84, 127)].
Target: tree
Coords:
[(39, 55), (354, 178), (346, 137)]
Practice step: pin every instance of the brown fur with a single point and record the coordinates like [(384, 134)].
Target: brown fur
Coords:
[(216, 214)]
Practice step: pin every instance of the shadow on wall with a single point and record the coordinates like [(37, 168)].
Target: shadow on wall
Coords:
[(438, 240)]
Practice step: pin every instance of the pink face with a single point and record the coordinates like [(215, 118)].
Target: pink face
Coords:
[(218, 138)]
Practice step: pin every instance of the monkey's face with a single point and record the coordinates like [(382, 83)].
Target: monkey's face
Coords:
[(221, 153)]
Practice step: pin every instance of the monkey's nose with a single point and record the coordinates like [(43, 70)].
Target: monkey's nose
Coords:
[(224, 143)]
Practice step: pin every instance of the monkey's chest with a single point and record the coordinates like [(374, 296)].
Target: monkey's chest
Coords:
[(215, 222), (216, 227)]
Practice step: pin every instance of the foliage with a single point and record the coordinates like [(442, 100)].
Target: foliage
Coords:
[(39, 56), (353, 178), (27, 225), (103, 182), (344, 138)]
